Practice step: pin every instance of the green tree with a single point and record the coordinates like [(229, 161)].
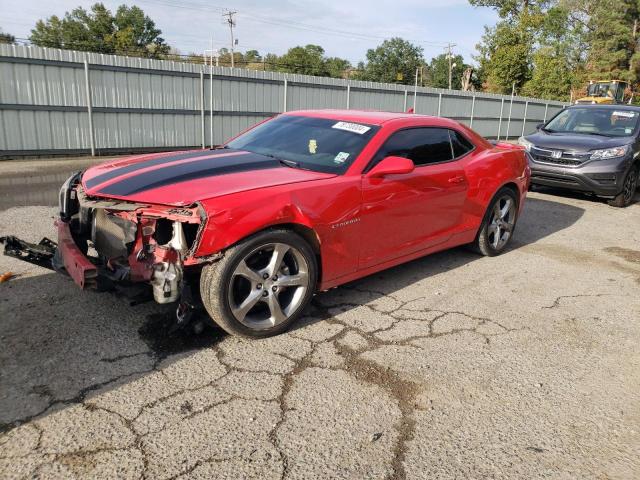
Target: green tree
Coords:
[(394, 61), (438, 71), (7, 37), (224, 58), (506, 50), (551, 78), (552, 47), (505, 57), (307, 60), (270, 61), (506, 8), (134, 31), (252, 56), (559, 60), (128, 32), (336, 67), (613, 40)]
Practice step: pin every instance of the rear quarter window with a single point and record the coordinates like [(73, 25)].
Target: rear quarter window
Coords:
[(461, 146)]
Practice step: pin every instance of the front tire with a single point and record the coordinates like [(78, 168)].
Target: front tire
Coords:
[(498, 224), (625, 197), (261, 285)]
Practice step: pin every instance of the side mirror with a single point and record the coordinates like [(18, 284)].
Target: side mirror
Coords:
[(391, 166), (539, 126)]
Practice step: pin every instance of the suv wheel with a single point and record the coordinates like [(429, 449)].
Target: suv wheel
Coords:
[(625, 197)]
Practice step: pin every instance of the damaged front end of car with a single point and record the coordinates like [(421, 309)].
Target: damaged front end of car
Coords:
[(107, 243)]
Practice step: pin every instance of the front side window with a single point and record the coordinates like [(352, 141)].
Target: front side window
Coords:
[(425, 146), (607, 122), (310, 143)]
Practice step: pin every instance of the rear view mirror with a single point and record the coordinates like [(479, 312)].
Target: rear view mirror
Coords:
[(539, 126), (391, 166)]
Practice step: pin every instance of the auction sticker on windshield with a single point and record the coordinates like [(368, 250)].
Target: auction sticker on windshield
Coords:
[(352, 127), (624, 114)]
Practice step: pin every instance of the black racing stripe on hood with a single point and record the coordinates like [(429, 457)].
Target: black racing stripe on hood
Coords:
[(183, 172), (116, 172)]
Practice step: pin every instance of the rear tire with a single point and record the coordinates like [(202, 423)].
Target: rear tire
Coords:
[(498, 224), (625, 197), (262, 285)]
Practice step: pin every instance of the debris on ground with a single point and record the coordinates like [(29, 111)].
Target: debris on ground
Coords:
[(6, 276)]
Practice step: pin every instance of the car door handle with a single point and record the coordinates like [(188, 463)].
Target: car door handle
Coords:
[(456, 179)]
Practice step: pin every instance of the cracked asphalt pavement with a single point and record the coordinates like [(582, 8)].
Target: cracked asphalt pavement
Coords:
[(525, 365)]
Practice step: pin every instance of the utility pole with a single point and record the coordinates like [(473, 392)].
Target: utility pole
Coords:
[(214, 53), (415, 90), (451, 65), (232, 23), (209, 55), (415, 87), (635, 43)]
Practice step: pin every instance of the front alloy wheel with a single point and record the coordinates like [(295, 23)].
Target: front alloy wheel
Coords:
[(268, 285), (262, 285)]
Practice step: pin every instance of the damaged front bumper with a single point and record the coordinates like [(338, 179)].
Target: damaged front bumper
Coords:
[(80, 269), (112, 242)]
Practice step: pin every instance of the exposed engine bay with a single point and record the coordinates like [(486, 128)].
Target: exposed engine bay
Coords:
[(129, 242)]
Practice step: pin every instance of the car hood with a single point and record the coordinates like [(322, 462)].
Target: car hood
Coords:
[(183, 178), (575, 142)]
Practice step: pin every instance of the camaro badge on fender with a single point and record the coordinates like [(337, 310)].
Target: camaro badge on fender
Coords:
[(344, 224)]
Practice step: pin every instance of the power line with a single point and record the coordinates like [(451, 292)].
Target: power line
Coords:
[(231, 21), (290, 24), (287, 24)]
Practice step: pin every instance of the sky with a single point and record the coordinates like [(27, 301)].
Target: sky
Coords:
[(344, 28)]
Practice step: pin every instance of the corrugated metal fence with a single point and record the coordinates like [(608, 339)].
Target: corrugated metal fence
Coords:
[(62, 101)]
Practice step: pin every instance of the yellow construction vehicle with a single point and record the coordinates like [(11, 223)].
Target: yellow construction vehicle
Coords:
[(605, 92)]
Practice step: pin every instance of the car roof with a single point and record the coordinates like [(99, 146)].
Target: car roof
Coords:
[(371, 117), (393, 119), (608, 106)]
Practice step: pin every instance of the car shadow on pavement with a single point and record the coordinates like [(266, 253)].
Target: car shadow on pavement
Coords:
[(539, 219), (564, 193), (542, 217), (60, 345)]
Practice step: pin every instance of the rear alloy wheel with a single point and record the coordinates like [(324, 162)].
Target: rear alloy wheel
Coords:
[(498, 224), (625, 197), (262, 285)]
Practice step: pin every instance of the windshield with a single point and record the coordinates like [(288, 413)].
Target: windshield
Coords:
[(601, 90), (311, 143), (607, 122)]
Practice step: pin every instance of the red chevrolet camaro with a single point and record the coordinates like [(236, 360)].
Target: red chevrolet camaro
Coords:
[(302, 202)]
